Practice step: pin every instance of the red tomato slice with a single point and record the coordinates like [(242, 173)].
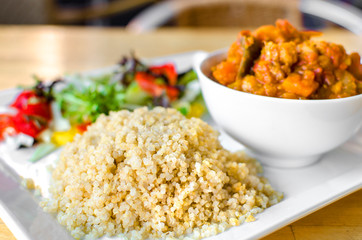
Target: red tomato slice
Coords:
[(39, 109), (22, 99), (28, 126), (30, 104)]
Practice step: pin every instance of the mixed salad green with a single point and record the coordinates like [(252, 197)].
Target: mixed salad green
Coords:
[(52, 113)]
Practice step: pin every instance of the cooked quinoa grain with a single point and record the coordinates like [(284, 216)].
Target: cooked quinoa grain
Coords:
[(154, 174)]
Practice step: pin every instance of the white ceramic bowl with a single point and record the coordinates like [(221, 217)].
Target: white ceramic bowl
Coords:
[(279, 132)]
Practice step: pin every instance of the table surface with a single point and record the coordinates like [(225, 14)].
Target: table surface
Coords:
[(50, 51)]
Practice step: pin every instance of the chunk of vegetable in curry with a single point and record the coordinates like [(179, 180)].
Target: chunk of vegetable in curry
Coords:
[(280, 61)]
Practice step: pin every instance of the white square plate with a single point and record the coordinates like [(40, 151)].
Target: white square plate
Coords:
[(305, 190)]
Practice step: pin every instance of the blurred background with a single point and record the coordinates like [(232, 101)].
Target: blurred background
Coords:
[(144, 15)]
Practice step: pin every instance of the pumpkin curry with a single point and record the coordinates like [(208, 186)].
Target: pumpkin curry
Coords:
[(280, 61)]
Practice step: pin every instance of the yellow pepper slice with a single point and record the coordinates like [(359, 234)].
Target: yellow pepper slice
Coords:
[(62, 137), (196, 110)]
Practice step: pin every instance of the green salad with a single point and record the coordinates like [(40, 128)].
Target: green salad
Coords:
[(52, 113)]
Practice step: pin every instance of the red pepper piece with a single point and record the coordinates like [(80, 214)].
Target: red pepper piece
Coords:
[(83, 127), (147, 83), (172, 93), (168, 70), (6, 126)]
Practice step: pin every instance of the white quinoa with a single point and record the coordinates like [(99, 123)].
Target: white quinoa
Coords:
[(154, 174)]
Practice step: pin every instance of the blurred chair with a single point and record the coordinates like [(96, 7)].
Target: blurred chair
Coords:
[(99, 9), (243, 13), (22, 12), (216, 13), (340, 13)]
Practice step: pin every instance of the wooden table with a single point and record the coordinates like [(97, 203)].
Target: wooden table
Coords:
[(50, 51)]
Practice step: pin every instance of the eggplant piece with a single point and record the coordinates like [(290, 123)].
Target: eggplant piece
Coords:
[(251, 51)]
